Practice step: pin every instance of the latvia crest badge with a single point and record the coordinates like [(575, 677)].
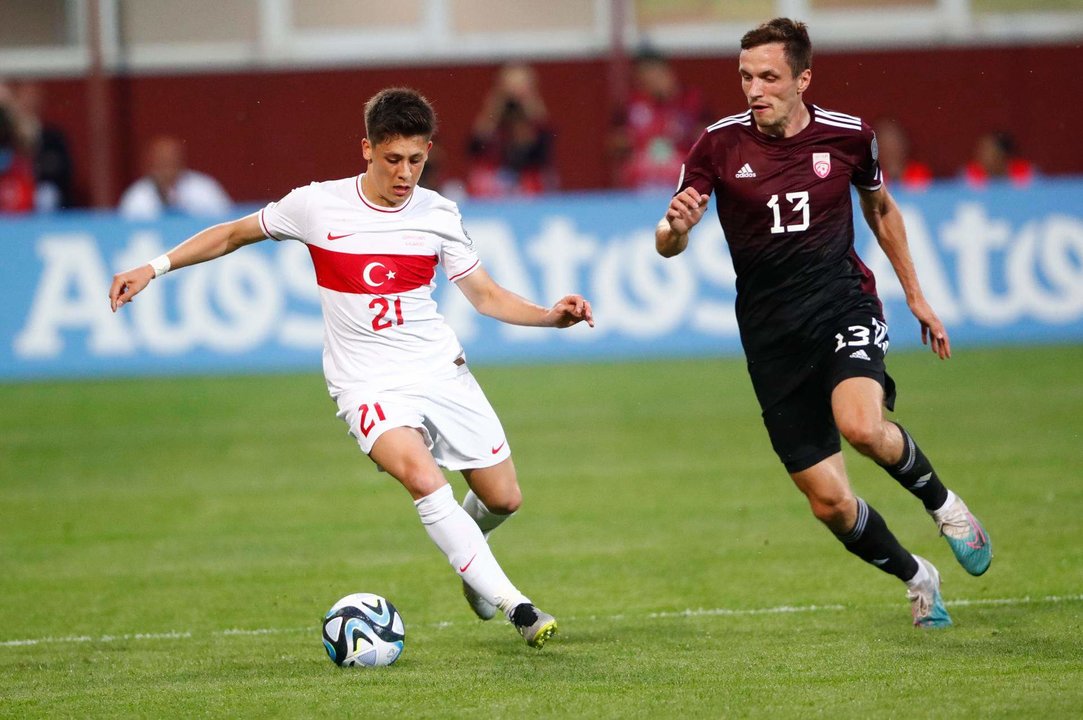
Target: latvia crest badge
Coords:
[(821, 164)]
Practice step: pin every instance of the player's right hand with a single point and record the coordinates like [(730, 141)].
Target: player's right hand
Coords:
[(685, 210), (128, 284), (933, 332)]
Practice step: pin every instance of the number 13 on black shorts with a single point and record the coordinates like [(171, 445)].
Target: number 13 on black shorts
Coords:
[(859, 337)]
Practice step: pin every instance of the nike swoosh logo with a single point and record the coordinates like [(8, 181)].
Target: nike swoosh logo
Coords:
[(499, 447), (979, 536), (880, 561), (468, 564), (338, 237)]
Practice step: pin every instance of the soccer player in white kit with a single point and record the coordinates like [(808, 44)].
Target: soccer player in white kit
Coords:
[(393, 366)]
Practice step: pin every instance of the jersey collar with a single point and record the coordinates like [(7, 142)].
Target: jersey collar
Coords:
[(379, 208)]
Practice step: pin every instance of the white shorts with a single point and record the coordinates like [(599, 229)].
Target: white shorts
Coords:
[(460, 426)]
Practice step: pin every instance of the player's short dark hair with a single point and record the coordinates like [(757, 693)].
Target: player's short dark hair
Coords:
[(398, 112), (793, 35)]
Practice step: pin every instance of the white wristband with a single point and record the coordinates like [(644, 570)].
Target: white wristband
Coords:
[(161, 265)]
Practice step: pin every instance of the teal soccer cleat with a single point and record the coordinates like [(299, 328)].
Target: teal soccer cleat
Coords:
[(926, 605), (966, 536)]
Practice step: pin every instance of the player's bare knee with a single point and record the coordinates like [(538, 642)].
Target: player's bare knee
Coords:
[(508, 502), (502, 500), (419, 479), (863, 436), (832, 510)]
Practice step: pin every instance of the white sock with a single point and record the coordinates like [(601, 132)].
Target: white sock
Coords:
[(921, 576), (460, 539), (946, 505), (486, 519)]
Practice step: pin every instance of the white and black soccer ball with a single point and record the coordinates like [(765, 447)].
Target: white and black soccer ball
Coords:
[(363, 629)]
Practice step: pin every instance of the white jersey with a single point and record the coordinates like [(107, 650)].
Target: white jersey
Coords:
[(376, 269)]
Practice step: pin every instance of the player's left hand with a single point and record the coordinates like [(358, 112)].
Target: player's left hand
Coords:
[(570, 310), (933, 332)]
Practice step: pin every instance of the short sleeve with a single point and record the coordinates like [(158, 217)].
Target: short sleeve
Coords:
[(867, 174), (457, 251), (287, 218), (698, 168)]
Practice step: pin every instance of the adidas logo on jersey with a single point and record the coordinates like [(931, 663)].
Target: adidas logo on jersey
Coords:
[(746, 171), (859, 355)]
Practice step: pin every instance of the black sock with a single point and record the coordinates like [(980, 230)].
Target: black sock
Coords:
[(915, 473), (871, 541)]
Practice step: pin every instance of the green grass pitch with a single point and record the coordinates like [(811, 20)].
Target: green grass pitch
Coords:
[(168, 548)]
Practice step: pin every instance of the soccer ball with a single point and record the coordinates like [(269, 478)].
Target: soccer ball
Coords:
[(363, 629)]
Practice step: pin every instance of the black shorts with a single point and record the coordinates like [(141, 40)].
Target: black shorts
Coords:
[(795, 390)]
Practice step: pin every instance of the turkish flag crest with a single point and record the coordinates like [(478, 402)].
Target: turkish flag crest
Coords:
[(821, 164)]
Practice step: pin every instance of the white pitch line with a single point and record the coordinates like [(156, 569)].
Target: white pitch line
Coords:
[(689, 613), (1025, 600), (259, 631), (707, 612), (72, 639)]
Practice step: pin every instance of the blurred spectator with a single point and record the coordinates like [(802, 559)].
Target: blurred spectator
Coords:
[(995, 158), (511, 147), (662, 121), (899, 167), (16, 171), (435, 176), (169, 186), (45, 145)]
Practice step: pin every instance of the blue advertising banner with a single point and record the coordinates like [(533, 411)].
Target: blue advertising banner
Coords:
[(1001, 265)]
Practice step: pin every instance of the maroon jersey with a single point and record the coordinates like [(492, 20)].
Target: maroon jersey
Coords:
[(784, 204)]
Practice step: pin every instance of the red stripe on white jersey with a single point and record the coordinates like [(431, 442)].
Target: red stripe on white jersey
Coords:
[(371, 274), (464, 272), (263, 226)]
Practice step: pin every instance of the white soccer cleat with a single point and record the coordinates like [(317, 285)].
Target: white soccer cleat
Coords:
[(481, 607)]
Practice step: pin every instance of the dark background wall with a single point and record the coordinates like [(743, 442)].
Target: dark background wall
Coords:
[(262, 133)]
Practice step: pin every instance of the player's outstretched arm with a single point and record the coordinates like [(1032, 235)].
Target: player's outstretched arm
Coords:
[(491, 299), (685, 210), (215, 241), (885, 220)]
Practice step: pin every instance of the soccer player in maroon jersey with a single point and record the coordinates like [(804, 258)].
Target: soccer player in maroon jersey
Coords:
[(811, 323), (393, 366)]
